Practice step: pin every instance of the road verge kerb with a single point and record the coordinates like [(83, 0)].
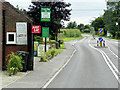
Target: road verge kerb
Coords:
[(53, 77)]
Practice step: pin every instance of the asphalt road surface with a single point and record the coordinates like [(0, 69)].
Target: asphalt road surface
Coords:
[(86, 69)]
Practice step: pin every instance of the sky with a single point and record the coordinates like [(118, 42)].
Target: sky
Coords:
[(83, 11)]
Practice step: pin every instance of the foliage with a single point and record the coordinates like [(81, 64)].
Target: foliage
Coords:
[(98, 23), (50, 54), (59, 11), (80, 27), (38, 39), (14, 63), (52, 41), (109, 19), (62, 46), (72, 33), (72, 38), (72, 25)]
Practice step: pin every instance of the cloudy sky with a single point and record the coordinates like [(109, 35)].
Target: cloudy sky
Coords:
[(83, 11)]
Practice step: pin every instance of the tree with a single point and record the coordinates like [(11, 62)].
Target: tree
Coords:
[(87, 27), (111, 17), (59, 12), (72, 25), (80, 27), (98, 23)]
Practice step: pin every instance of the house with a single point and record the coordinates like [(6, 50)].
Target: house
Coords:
[(15, 34)]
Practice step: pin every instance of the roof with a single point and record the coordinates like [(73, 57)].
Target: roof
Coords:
[(18, 11)]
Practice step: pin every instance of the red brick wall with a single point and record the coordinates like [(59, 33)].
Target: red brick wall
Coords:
[(0, 35), (11, 18)]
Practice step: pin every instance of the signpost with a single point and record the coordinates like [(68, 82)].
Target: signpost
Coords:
[(45, 34), (36, 29), (45, 17), (45, 14)]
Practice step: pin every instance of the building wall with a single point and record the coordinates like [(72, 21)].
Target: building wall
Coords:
[(11, 17), (0, 35)]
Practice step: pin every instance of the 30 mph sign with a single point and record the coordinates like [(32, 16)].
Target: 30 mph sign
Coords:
[(36, 29)]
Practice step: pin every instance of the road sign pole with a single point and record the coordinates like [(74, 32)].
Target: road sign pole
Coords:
[(101, 44), (45, 44)]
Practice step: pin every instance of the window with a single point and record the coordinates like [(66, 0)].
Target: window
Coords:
[(11, 38)]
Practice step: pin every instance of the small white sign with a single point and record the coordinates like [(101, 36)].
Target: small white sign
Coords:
[(60, 36)]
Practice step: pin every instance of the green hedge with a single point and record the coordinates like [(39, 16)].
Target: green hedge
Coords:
[(72, 33)]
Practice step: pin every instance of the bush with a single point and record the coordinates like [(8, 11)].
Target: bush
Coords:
[(14, 63), (72, 33), (53, 52), (52, 41), (50, 54)]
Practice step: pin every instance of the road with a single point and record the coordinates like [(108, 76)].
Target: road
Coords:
[(86, 69)]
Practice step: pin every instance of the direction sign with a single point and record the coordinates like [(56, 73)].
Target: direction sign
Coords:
[(45, 32), (100, 39), (101, 30), (45, 14), (36, 29)]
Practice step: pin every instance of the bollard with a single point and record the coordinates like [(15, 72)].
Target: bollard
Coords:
[(97, 43), (101, 44), (104, 43)]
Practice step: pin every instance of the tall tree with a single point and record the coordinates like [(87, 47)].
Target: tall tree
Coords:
[(59, 12), (111, 17), (98, 23)]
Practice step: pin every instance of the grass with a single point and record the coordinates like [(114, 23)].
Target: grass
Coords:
[(72, 38)]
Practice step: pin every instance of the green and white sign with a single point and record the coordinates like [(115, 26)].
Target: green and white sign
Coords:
[(45, 32), (45, 14)]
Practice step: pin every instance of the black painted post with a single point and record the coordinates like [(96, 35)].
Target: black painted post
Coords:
[(45, 44), (4, 39)]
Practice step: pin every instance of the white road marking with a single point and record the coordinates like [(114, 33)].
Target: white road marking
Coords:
[(109, 62), (53, 77), (112, 52)]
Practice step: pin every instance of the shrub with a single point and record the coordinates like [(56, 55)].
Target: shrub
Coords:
[(14, 63), (50, 54), (72, 33), (52, 41)]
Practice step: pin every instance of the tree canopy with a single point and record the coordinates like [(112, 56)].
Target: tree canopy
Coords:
[(59, 12)]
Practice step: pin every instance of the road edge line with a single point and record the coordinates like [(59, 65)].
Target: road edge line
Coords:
[(116, 76), (53, 77)]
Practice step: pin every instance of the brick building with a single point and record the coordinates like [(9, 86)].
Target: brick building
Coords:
[(12, 22)]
